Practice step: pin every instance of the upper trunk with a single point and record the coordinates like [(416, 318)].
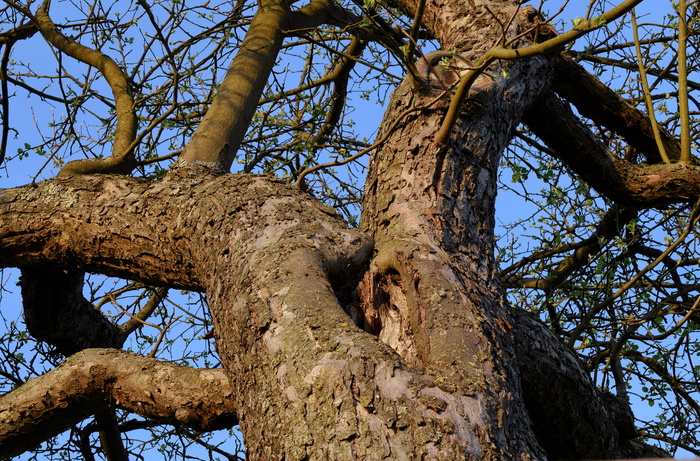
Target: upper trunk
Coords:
[(430, 209)]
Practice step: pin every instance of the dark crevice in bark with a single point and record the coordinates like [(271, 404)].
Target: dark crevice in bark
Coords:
[(345, 287)]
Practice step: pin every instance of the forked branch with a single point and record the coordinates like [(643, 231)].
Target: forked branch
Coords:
[(500, 52)]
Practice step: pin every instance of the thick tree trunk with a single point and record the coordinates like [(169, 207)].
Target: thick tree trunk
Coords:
[(437, 369), (432, 292), (308, 383), (266, 256)]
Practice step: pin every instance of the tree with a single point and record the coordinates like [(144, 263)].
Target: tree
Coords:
[(393, 338)]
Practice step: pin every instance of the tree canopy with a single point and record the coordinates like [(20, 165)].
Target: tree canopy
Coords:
[(214, 227)]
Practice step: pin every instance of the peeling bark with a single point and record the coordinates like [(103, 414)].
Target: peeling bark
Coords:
[(266, 256)]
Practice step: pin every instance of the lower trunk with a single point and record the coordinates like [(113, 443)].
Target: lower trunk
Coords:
[(310, 384), (440, 382)]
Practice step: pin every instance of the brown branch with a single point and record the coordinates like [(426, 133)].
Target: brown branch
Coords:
[(96, 379), (8, 39), (110, 436), (318, 12), (415, 28), (21, 32), (341, 75), (122, 158), (662, 73), (39, 93), (683, 82), (221, 131), (647, 92), (636, 186), (622, 46), (137, 320), (4, 61), (56, 311)]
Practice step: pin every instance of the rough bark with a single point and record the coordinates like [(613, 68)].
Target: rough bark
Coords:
[(268, 258), (436, 374), (94, 380), (265, 255), (430, 210), (432, 293)]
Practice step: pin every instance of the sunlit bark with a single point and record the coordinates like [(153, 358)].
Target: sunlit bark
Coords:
[(97, 379)]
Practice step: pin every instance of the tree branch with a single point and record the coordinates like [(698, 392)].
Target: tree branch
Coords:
[(609, 227), (219, 135), (56, 311), (122, 158), (647, 92), (599, 103), (536, 49), (95, 379), (640, 186)]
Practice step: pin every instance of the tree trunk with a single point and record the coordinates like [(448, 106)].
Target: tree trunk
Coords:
[(267, 258), (441, 368)]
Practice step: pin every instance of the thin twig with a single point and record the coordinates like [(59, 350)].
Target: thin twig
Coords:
[(647, 92), (683, 82), (5, 100)]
